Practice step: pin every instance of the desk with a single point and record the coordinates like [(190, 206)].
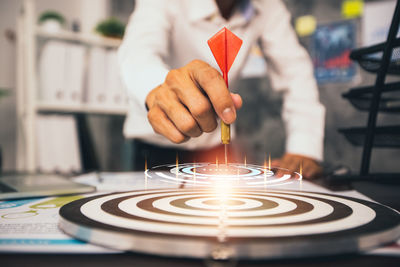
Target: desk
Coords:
[(386, 194), (130, 259)]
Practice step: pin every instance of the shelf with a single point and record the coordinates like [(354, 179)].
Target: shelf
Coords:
[(369, 58), (388, 87), (82, 108), (361, 97), (89, 39), (390, 105), (385, 136)]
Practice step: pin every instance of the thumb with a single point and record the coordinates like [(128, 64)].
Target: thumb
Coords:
[(237, 100)]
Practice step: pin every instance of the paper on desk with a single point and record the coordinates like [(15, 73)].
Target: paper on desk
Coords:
[(121, 181), (30, 225)]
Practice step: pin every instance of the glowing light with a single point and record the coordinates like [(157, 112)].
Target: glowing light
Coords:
[(245, 161), (177, 164), (145, 172), (223, 190), (301, 169), (194, 173), (235, 175), (216, 161), (269, 161), (222, 187), (265, 172), (301, 176), (226, 154)]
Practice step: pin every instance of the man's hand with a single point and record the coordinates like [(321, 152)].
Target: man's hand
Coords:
[(187, 103), (311, 168)]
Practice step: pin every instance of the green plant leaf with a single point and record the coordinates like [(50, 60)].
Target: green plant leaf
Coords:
[(50, 14), (3, 92), (111, 27)]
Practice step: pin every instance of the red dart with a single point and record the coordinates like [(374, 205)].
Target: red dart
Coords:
[(225, 46)]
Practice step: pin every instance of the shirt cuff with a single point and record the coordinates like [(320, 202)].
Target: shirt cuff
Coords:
[(306, 145)]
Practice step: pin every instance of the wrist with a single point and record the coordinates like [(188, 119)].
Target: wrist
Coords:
[(149, 99)]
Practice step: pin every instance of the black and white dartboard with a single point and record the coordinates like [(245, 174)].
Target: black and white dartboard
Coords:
[(254, 223)]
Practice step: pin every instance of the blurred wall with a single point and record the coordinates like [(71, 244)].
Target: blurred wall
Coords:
[(261, 128), (92, 10), (8, 12)]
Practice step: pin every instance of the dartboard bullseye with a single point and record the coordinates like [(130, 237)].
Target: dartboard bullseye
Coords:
[(253, 223), (238, 175)]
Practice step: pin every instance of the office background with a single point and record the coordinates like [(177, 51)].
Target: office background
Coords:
[(114, 153)]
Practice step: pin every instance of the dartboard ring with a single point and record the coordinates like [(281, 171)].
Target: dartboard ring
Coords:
[(258, 224), (237, 174)]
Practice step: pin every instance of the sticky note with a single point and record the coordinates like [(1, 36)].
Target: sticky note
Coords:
[(352, 8), (305, 25)]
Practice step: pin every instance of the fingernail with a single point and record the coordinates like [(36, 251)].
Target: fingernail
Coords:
[(228, 115)]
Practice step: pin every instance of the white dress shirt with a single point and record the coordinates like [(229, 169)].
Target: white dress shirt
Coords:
[(163, 35)]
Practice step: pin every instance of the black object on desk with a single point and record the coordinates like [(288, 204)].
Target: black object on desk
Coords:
[(15, 186)]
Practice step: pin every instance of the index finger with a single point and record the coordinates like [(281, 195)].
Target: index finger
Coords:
[(211, 81)]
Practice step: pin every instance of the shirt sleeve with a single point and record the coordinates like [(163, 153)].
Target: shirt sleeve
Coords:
[(290, 70), (143, 51)]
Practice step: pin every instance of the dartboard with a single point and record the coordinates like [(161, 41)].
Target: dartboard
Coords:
[(242, 223), (236, 174)]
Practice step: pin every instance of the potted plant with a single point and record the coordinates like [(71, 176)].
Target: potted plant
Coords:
[(111, 27), (3, 92), (51, 21)]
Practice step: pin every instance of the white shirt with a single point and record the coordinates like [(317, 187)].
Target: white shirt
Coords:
[(163, 35)]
